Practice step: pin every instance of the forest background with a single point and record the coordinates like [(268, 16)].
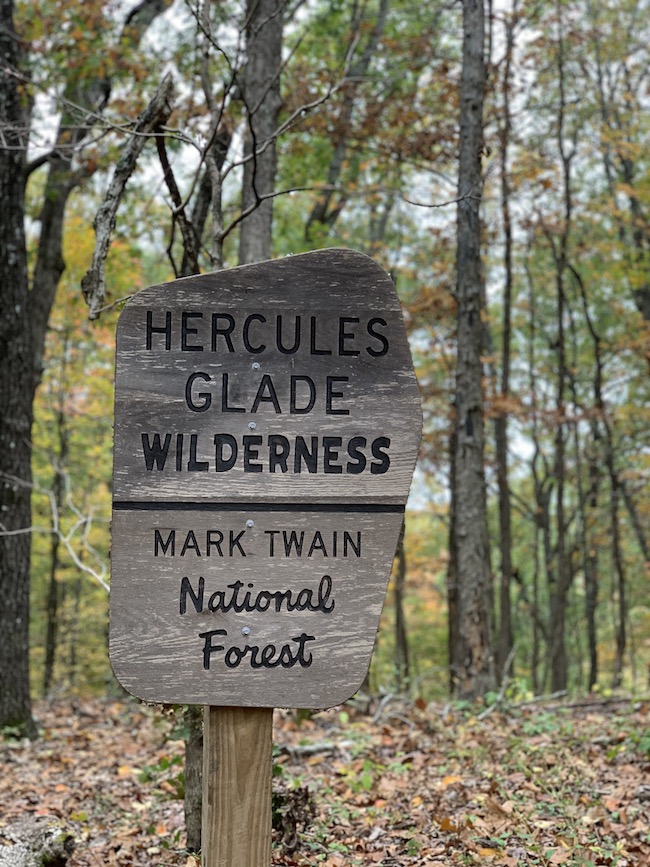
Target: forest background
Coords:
[(352, 140)]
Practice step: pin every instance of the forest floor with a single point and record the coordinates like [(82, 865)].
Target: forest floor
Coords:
[(542, 784)]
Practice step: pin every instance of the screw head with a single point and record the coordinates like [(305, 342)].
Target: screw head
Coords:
[(250, 523), (252, 425), (246, 630), (256, 365)]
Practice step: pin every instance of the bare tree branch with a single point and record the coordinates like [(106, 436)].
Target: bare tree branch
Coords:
[(83, 521), (179, 216), (152, 118)]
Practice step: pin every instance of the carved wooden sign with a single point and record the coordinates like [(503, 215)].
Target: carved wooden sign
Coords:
[(267, 422)]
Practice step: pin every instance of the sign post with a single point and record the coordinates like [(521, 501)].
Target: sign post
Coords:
[(237, 774), (267, 422)]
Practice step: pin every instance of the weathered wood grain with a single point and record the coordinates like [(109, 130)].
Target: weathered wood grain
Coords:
[(253, 407), (157, 652), (327, 290), (237, 772)]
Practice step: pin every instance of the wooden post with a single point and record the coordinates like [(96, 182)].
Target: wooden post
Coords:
[(237, 772)]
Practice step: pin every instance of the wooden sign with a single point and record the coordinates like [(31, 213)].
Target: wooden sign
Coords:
[(267, 422)]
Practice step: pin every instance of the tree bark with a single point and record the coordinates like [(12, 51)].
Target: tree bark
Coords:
[(58, 493), (562, 575), (473, 661), (541, 497), (261, 94), (559, 583), (193, 719), (15, 392), (401, 636), (591, 563), (452, 570), (505, 640)]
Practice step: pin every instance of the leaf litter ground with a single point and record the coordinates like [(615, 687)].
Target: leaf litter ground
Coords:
[(409, 785)]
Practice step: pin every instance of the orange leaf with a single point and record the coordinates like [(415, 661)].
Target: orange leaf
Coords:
[(447, 824), (450, 780)]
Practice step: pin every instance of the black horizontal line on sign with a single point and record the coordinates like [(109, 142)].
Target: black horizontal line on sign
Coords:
[(188, 506)]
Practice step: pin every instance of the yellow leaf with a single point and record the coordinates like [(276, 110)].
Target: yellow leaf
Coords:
[(488, 852)]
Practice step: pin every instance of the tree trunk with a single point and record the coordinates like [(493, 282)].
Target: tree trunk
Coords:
[(559, 583), (505, 641), (74, 629), (616, 487), (15, 394), (261, 94), (193, 719), (401, 638), (619, 570), (473, 656), (51, 616), (540, 519), (562, 575), (58, 492), (452, 571), (591, 562)]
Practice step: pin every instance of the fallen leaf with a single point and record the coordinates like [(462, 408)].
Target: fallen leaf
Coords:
[(448, 824), (451, 780)]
